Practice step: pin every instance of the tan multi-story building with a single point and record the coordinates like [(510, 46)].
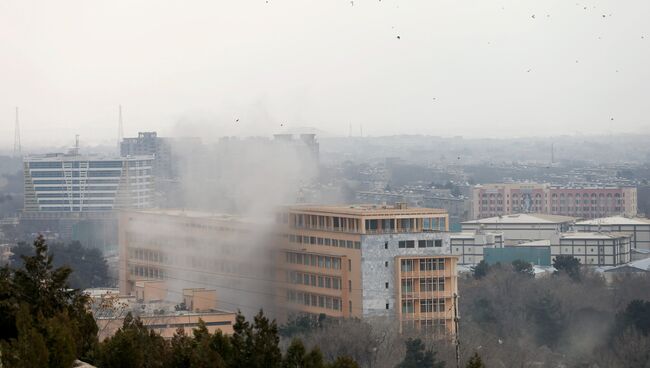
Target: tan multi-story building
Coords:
[(490, 200), (341, 261), (345, 261)]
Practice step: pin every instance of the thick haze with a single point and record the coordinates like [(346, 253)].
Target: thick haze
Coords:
[(468, 68)]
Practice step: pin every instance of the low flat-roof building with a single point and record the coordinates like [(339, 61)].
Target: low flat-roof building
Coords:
[(638, 228), (470, 246), (522, 227), (594, 249)]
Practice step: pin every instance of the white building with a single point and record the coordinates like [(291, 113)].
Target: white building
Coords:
[(468, 246), (638, 228), (73, 183), (520, 228), (593, 248)]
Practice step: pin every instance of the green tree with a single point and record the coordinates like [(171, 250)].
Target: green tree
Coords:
[(523, 267), (59, 313), (266, 350), (344, 362), (88, 265), (637, 315), (242, 342), (133, 346), (417, 356), (480, 270), (182, 347), (204, 354), (475, 362), (569, 265), (295, 355)]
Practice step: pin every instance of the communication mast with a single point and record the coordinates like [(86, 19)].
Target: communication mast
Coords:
[(17, 148), (120, 128)]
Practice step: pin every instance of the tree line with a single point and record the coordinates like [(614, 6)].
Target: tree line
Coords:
[(46, 323)]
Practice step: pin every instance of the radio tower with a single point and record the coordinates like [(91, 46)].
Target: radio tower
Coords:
[(17, 149), (120, 130)]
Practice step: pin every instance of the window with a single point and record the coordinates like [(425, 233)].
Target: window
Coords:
[(349, 265), (407, 285), (438, 243), (349, 285), (386, 305), (426, 284), (407, 306), (406, 265), (426, 305), (406, 244), (422, 243), (386, 263), (350, 305), (386, 245), (386, 285)]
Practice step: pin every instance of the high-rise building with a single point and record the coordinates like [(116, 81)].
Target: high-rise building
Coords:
[(490, 200), (341, 261), (148, 143), (72, 183), (76, 196)]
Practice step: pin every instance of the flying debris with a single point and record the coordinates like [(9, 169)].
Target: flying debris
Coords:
[(351, 3), (533, 16), (612, 119), (399, 38), (236, 120), (528, 71)]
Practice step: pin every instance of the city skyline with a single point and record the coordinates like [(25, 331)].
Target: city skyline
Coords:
[(489, 70)]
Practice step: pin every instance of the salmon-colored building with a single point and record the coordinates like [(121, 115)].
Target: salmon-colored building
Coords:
[(334, 260), (490, 200)]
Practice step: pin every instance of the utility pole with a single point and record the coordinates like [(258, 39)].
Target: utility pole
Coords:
[(17, 148), (457, 335)]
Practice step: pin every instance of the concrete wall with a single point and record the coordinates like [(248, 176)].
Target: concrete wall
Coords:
[(375, 272)]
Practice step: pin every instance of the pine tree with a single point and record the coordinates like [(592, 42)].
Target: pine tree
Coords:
[(475, 362), (419, 357), (295, 355)]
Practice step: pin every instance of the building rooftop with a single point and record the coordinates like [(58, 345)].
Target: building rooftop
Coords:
[(642, 264), (367, 210), (524, 218), (204, 215), (536, 243), (616, 220), (80, 157), (472, 234), (594, 235)]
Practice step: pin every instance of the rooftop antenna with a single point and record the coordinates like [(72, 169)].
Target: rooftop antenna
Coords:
[(361, 130), (76, 144), (120, 128), (17, 148), (350, 131)]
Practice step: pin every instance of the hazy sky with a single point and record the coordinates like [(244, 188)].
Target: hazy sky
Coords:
[(193, 67)]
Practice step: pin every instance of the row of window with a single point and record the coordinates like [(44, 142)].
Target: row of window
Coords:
[(328, 282), (421, 243), (74, 195), (76, 201), (426, 264), (314, 300), (76, 181), (427, 284), (314, 260), (324, 241), (149, 272), (76, 188), (426, 306), (75, 209)]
